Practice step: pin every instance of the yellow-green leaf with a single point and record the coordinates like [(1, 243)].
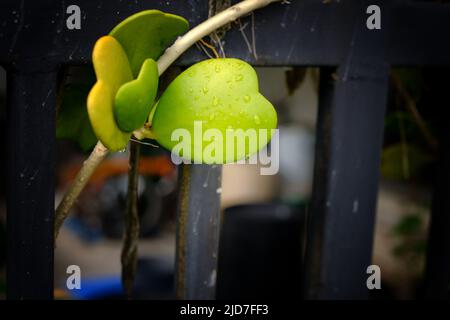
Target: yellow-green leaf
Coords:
[(147, 34), (134, 99), (221, 94), (112, 70)]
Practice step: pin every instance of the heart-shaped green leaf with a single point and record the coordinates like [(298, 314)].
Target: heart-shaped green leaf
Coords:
[(147, 34), (222, 94), (134, 99), (112, 70)]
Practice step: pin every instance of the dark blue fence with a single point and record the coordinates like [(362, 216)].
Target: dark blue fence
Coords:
[(35, 44)]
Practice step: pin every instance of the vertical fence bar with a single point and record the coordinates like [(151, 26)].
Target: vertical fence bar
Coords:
[(340, 230), (437, 273), (349, 141), (30, 201), (198, 231), (437, 279)]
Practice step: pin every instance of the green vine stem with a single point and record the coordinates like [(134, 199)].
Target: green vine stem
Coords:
[(412, 108), (82, 178), (170, 55), (205, 28), (131, 233)]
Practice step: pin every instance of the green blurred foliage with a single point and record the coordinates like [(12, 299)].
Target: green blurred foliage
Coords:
[(413, 81), (402, 162), (72, 121), (406, 154), (411, 242), (410, 224), (401, 120)]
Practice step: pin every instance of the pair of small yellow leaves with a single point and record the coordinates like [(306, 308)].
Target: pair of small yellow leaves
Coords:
[(117, 104), (127, 75)]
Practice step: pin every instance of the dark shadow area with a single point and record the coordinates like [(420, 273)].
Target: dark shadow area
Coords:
[(411, 238), (260, 254), (3, 142)]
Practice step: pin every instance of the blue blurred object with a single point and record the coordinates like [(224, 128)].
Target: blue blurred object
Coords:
[(154, 280), (85, 232), (99, 288)]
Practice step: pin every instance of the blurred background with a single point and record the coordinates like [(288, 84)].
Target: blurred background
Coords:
[(263, 216)]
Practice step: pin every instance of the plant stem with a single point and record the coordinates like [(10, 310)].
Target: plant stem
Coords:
[(170, 55), (412, 108), (202, 30), (131, 232), (82, 178)]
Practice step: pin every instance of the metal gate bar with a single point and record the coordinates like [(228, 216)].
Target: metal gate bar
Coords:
[(31, 151), (350, 132), (198, 231)]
